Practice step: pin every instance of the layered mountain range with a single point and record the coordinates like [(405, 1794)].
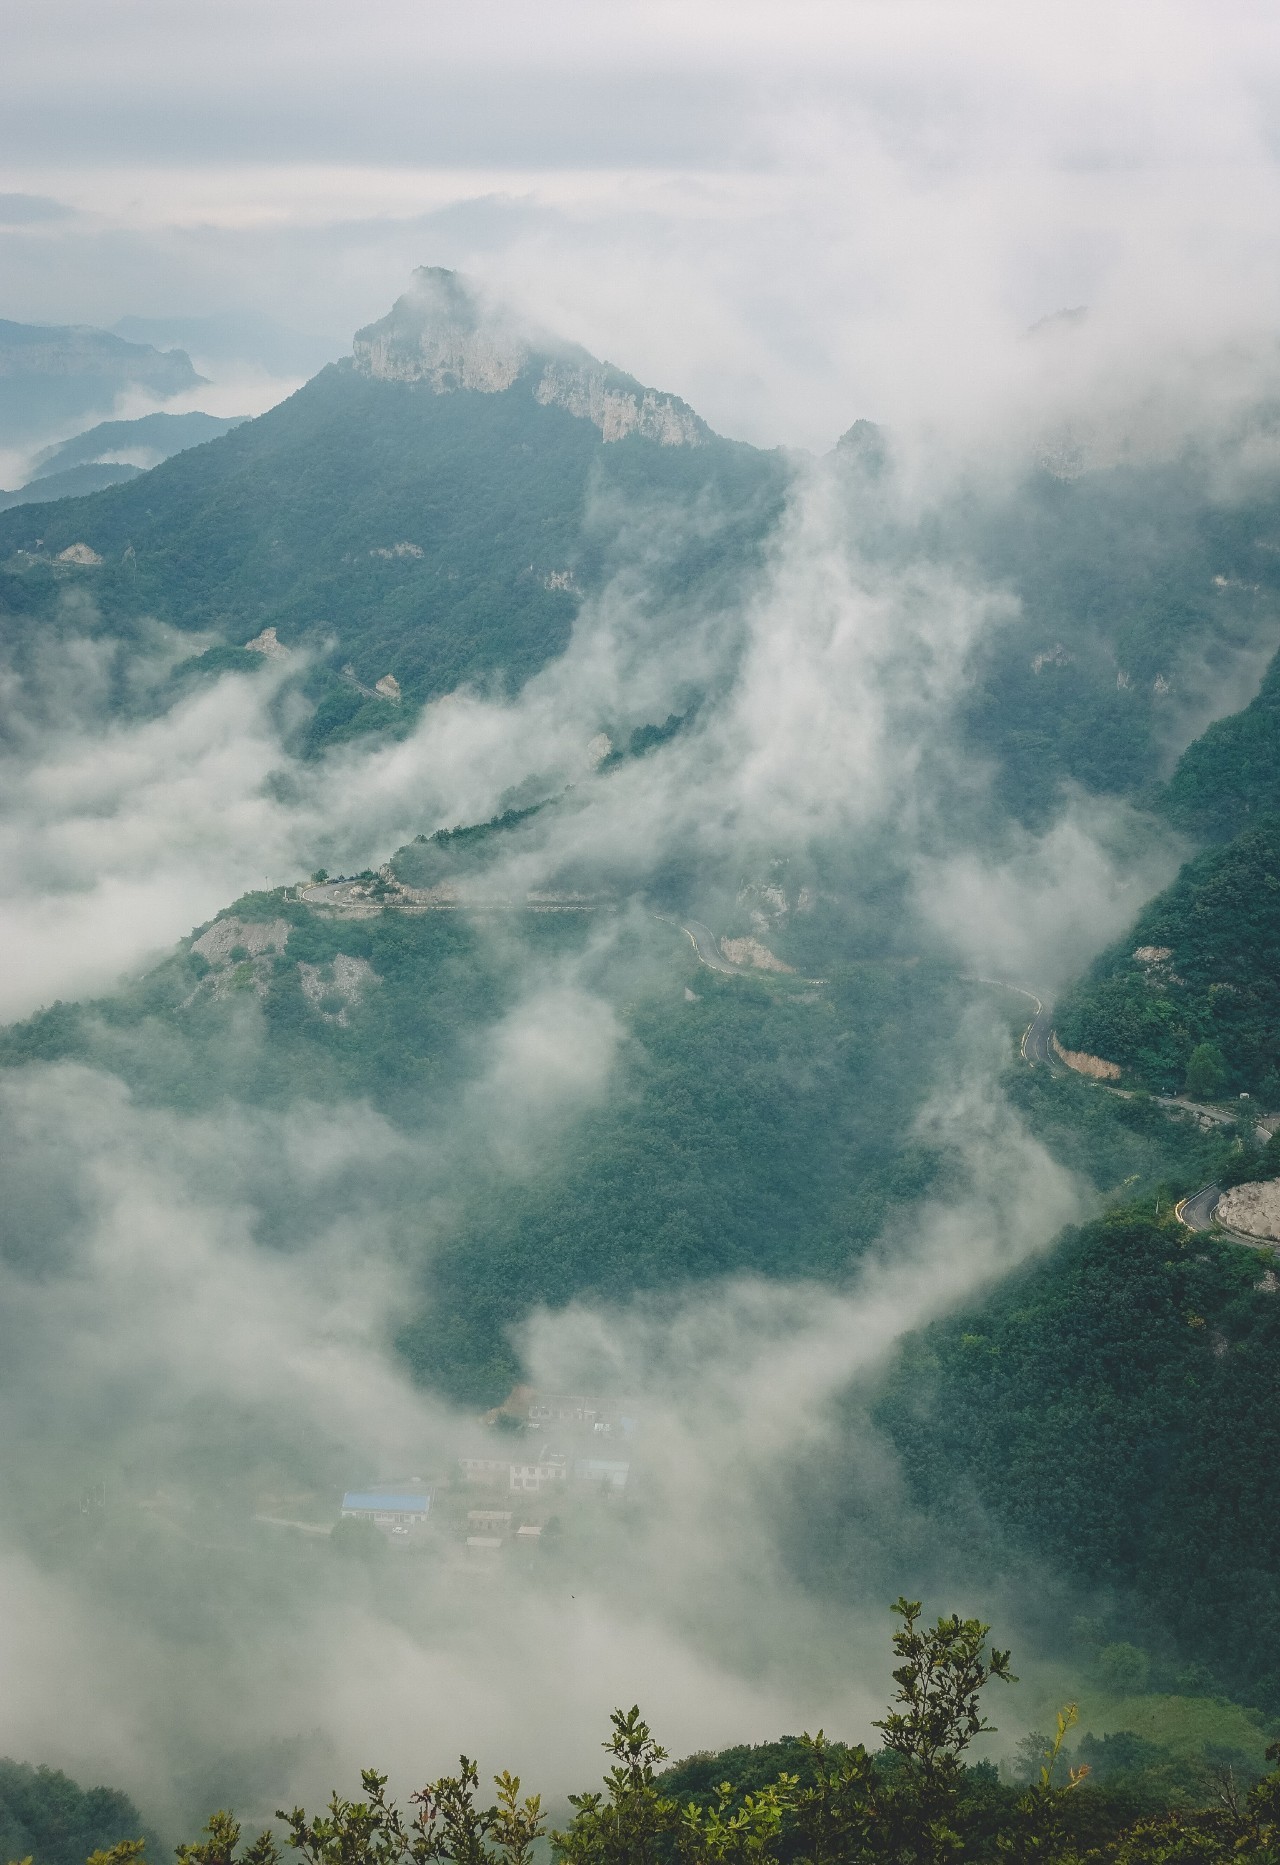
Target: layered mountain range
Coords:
[(772, 1006)]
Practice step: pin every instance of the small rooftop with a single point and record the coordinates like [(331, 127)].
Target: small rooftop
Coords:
[(389, 1502)]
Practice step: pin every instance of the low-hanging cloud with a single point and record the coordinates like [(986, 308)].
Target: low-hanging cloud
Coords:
[(165, 1350), (1036, 912), (200, 1314)]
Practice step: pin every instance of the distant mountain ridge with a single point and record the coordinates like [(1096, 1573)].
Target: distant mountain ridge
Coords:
[(74, 349), (73, 468), (75, 483), (54, 373), (158, 436), (234, 339), (434, 510)]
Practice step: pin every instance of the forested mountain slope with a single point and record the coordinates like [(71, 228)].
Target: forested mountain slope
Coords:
[(1231, 775), (1136, 587), (752, 1123), (436, 507), (436, 511), (1200, 965), (438, 528), (47, 1818), (1108, 1418)]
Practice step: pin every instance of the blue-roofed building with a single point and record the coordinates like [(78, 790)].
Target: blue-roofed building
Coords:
[(395, 1511)]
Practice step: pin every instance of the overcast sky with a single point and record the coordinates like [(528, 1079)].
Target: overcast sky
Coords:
[(793, 214)]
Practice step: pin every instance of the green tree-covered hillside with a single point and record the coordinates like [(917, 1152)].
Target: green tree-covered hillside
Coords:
[(749, 1124), (1231, 774), (45, 1817), (388, 529), (1134, 588), (1199, 969), (1110, 1416)]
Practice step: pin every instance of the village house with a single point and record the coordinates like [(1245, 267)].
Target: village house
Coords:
[(533, 1478), (487, 1472), (395, 1512), (523, 1476)]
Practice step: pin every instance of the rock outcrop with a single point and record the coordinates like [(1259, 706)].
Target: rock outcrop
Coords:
[(750, 952), (334, 990), (1253, 1209), (268, 643), (229, 934), (594, 392), (1083, 1064), (442, 334)]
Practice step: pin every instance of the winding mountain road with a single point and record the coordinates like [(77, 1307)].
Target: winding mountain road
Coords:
[(705, 944), (1199, 1211), (1036, 1039), (1035, 1047)]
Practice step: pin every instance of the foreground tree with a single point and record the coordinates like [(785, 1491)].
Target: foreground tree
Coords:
[(944, 1671), (913, 1803)]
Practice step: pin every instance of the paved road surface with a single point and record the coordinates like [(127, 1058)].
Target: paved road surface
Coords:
[(1200, 1213), (1035, 1041), (1215, 1116), (1034, 1047), (1197, 1211), (703, 941)]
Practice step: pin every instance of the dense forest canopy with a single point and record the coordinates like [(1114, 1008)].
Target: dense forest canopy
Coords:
[(1199, 966)]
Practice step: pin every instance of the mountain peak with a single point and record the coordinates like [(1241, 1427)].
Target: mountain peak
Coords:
[(443, 333), (440, 332)]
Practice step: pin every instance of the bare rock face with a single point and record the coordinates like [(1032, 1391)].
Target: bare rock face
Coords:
[(227, 934), (439, 333), (269, 644), (586, 391), (442, 334), (1253, 1209), (240, 954), (750, 952), (1083, 1064), (335, 990)]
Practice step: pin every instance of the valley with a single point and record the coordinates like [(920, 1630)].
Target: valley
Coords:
[(595, 1194)]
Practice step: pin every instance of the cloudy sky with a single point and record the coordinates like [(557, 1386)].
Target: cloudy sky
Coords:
[(793, 215)]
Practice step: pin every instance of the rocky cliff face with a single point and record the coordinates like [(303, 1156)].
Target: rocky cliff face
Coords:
[(594, 392), (441, 334)]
